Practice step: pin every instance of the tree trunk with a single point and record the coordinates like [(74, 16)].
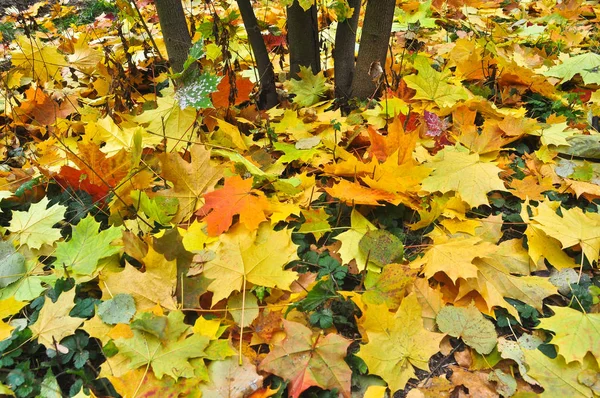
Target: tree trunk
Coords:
[(343, 52), (374, 41), (303, 38), (268, 94), (175, 31)]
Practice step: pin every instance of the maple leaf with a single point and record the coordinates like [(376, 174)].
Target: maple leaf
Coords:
[(54, 323), (457, 170), (433, 85), (574, 227), (100, 169), (495, 282), (359, 226), (87, 246), (586, 65), (190, 180), (309, 88), (166, 357), (454, 257), (389, 286), (12, 264), (38, 60), (155, 286), (243, 89), (397, 342), (236, 197), (30, 285), (556, 376), (575, 333), (353, 193), (141, 383), (257, 257), (315, 222), (228, 379), (8, 307), (468, 324), (170, 122), (34, 227), (306, 361), (43, 109)]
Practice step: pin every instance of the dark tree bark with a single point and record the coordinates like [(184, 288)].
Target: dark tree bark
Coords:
[(175, 31), (343, 52), (303, 38), (268, 94), (374, 41)]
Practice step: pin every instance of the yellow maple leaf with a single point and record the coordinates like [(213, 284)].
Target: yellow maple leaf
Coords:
[(459, 171), (433, 86), (190, 179), (397, 342), (8, 307), (349, 251), (171, 122), (574, 227), (54, 323), (575, 333), (257, 257), (454, 257), (155, 286), (38, 60), (558, 378)]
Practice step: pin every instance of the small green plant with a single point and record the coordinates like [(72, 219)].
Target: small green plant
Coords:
[(86, 14), (540, 107)]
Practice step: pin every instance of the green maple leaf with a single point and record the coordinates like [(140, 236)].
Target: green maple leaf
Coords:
[(87, 246), (167, 357), (433, 85), (34, 227), (587, 65), (309, 88)]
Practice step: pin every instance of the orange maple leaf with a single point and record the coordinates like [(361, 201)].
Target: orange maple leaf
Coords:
[(243, 89), (236, 197)]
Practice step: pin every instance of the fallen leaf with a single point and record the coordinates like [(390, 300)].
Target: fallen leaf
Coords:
[(305, 360)]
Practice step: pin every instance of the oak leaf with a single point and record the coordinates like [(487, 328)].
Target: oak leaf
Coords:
[(236, 197), (398, 343), (306, 360), (257, 257)]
